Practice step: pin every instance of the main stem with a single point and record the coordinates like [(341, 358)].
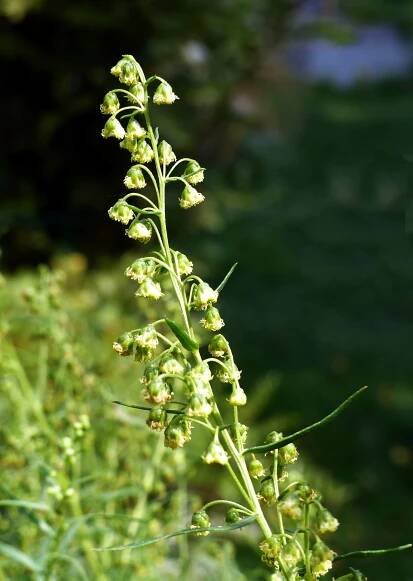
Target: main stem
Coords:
[(236, 453)]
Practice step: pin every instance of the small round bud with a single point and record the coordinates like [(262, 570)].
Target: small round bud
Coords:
[(321, 558), (110, 104), (218, 346), (157, 419), (143, 354), (230, 374), (140, 230), (183, 264), (166, 154), (271, 549), (203, 296), (267, 491), (212, 320), (146, 337), (200, 520), (140, 269), (124, 344), (164, 94), (128, 143), (138, 93), (171, 365), (232, 516), (149, 289), (194, 174), (150, 373), (291, 507), (242, 432), (134, 129), (326, 522), (287, 454), (143, 152), (134, 178), (238, 396), (121, 212), (255, 468), (125, 70), (215, 453), (308, 494), (278, 576), (113, 128), (199, 406), (291, 554), (157, 391), (190, 197), (178, 432)]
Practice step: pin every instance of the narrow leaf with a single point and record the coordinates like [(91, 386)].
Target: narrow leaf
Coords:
[(188, 531), (288, 439), (19, 557), (71, 561), (225, 280), (373, 552), (27, 504), (185, 340)]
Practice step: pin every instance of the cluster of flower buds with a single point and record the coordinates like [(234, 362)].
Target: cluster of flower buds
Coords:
[(200, 520)]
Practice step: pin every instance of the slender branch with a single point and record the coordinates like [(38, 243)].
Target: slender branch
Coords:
[(296, 435), (373, 552)]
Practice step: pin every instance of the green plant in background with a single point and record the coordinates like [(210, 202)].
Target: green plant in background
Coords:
[(177, 379)]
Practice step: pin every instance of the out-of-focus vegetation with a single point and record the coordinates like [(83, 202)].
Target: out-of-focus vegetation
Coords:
[(313, 177)]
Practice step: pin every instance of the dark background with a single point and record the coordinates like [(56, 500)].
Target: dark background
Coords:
[(303, 114)]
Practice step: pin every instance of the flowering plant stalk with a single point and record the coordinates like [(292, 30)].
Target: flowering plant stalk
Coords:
[(176, 382)]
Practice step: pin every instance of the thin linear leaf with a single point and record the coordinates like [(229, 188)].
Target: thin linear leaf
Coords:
[(188, 531), (19, 557), (27, 504), (373, 552), (71, 561), (185, 340), (288, 439), (226, 277)]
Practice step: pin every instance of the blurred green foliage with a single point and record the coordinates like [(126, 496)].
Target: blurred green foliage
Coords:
[(309, 187)]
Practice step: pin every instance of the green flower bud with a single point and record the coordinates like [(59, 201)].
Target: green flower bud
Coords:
[(140, 230), (128, 143), (113, 128), (157, 391), (140, 269), (308, 494), (190, 197), (238, 396), (194, 174), (215, 453), (291, 554), (121, 212), (171, 364), (326, 522), (230, 374), (164, 94), (232, 516), (203, 296), (287, 454), (183, 264), (271, 549), (198, 379), (146, 337), (321, 558), (178, 432), (138, 93), (157, 419), (110, 104), (150, 373), (143, 354), (278, 576), (200, 520), (218, 346), (166, 154), (255, 468), (149, 289), (143, 152), (124, 344), (199, 406), (134, 178), (212, 320), (125, 70), (134, 129), (242, 431), (291, 507), (267, 491)]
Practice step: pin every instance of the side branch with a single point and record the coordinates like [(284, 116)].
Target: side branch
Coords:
[(288, 439)]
